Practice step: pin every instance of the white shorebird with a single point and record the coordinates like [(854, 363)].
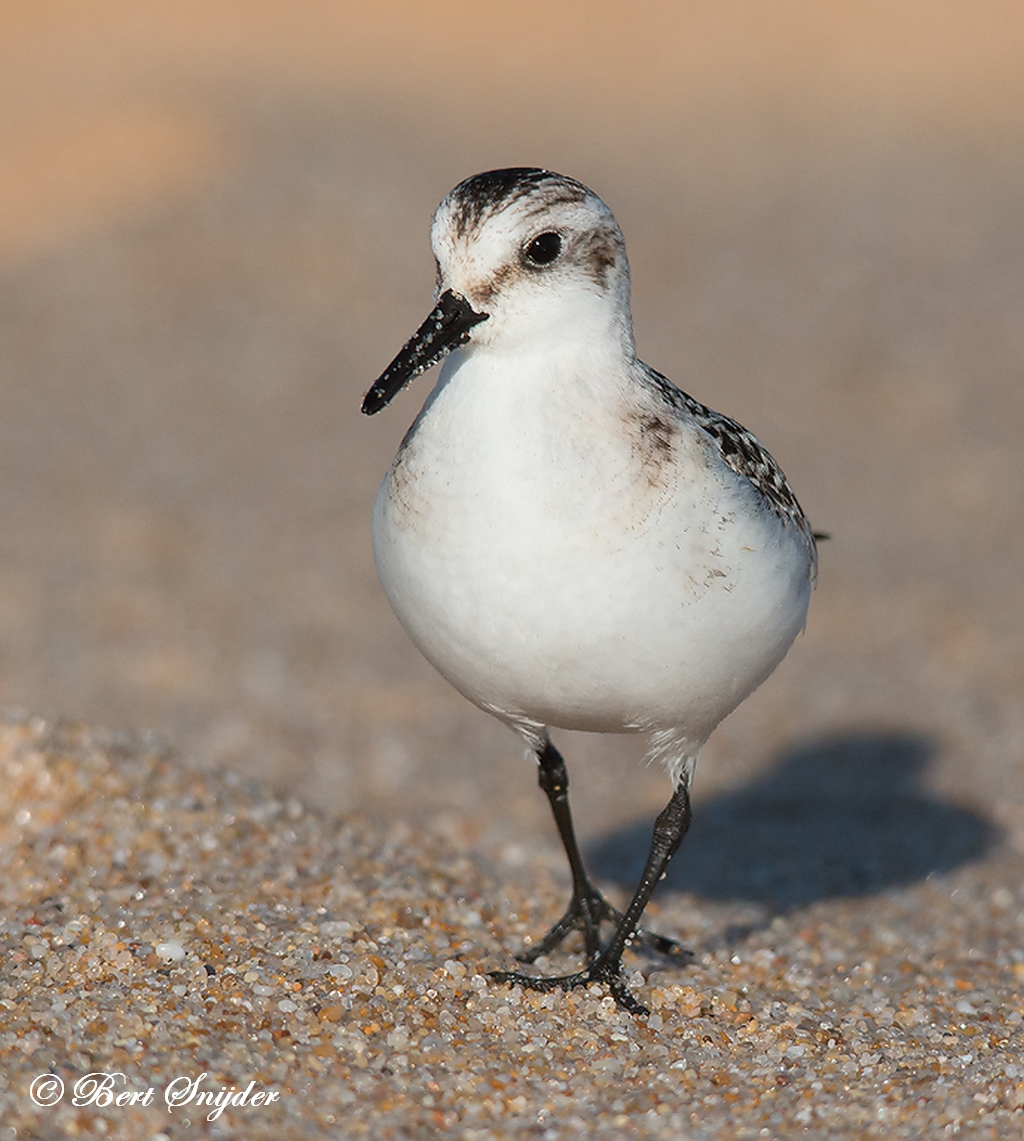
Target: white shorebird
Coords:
[(568, 537)]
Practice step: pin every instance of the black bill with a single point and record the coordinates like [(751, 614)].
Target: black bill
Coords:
[(445, 329)]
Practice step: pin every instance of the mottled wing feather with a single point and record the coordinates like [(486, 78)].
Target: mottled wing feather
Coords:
[(743, 453)]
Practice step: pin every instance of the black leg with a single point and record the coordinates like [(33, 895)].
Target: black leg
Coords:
[(669, 830), (588, 907)]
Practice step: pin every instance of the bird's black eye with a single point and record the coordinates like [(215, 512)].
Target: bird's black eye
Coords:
[(544, 248)]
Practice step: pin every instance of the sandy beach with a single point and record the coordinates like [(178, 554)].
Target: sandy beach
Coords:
[(247, 831)]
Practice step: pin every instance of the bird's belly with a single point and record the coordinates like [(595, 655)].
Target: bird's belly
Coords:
[(615, 609)]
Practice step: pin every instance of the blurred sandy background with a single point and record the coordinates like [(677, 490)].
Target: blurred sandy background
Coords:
[(214, 235)]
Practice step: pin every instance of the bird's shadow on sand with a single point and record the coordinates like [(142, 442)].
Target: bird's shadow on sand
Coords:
[(844, 816)]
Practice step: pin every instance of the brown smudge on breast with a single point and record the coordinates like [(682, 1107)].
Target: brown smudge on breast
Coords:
[(647, 472), (406, 496), (655, 438)]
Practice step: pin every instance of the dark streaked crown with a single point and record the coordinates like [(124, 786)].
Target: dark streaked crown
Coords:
[(483, 194)]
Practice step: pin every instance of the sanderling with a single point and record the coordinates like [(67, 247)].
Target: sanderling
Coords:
[(568, 537)]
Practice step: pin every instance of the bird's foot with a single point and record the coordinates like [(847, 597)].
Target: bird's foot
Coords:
[(600, 971), (662, 944), (586, 912)]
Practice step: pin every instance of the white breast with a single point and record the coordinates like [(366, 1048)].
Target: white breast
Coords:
[(562, 565)]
